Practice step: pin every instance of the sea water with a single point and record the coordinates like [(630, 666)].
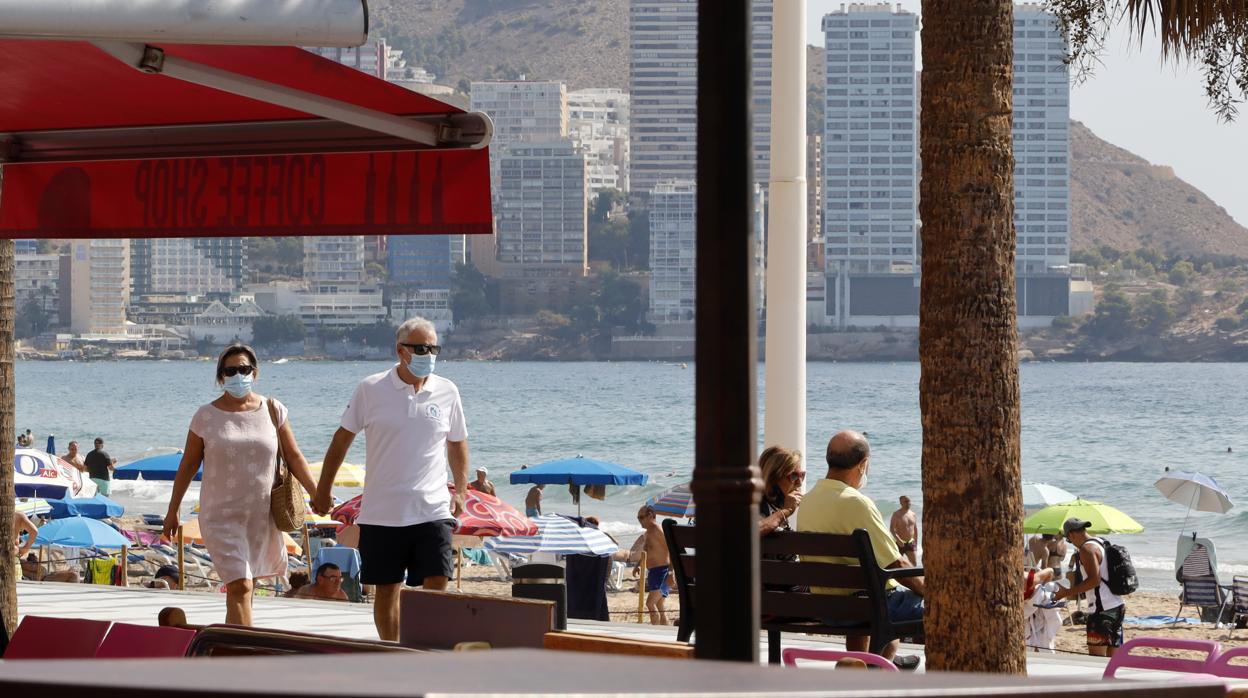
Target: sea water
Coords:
[(1102, 431)]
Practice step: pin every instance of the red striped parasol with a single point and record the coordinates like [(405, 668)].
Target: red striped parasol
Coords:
[(484, 515)]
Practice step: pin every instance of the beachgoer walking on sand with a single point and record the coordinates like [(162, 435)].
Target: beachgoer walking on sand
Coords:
[(482, 483), (236, 439), (905, 527), (414, 427), (836, 504), (1105, 622), (328, 585), (782, 488), (74, 458), (659, 574), (100, 467), (533, 501)]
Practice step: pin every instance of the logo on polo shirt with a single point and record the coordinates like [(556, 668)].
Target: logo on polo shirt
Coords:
[(434, 411)]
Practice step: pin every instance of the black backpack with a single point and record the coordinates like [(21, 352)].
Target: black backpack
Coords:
[(1122, 578)]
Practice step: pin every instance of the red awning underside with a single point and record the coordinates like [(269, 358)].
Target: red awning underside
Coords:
[(66, 85)]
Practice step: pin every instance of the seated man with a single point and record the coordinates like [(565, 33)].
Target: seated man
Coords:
[(836, 505), (166, 578), (328, 585)]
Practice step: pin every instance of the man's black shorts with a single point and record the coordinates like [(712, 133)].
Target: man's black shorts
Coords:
[(389, 554)]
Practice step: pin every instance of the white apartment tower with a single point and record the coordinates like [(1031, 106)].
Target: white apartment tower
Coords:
[(870, 141), (95, 285), (673, 259), (542, 222), (663, 72), (523, 111), (333, 264), (598, 123), (1041, 131)]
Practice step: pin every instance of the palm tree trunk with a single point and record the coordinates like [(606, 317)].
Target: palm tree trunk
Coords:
[(968, 393), (8, 578)]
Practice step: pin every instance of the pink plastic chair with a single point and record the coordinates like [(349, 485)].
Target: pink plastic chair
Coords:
[(1222, 665), (40, 637), (792, 654), (127, 641), (1123, 659)]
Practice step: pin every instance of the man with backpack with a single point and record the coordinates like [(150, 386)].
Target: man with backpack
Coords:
[(1113, 578)]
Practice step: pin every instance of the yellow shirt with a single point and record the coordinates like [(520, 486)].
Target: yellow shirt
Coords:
[(834, 507)]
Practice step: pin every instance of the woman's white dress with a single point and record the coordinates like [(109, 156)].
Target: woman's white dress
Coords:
[(239, 453)]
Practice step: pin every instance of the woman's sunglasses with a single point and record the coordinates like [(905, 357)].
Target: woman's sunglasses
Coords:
[(422, 349), (797, 476), (234, 370)]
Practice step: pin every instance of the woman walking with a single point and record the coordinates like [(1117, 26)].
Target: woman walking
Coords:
[(235, 438)]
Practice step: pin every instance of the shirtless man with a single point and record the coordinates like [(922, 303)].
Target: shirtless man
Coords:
[(328, 585), (74, 458), (482, 483), (905, 528), (21, 525), (533, 501), (659, 574)]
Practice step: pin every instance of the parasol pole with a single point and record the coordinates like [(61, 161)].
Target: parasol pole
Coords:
[(181, 560), (1195, 491), (125, 566), (641, 587), (307, 546), (459, 567)]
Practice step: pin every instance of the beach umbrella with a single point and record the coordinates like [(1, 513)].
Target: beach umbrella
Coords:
[(348, 475), (80, 532), (159, 467), (558, 535), (39, 474), (97, 507), (578, 471), (1197, 490), (1104, 518), (487, 515), (348, 511), (32, 506), (678, 501), (1037, 495)]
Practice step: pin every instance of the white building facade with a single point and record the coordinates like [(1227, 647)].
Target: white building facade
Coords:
[(523, 111), (598, 122), (36, 278), (98, 286), (673, 253), (333, 263), (542, 221)]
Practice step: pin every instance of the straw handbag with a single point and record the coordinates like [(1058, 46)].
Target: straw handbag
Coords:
[(286, 504)]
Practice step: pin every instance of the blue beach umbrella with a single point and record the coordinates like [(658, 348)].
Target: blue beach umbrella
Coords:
[(162, 467), (80, 532), (97, 507), (558, 535), (578, 471)]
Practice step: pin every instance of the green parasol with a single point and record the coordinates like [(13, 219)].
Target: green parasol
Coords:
[(1104, 518)]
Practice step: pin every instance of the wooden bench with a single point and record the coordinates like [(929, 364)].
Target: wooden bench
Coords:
[(442, 620), (603, 644), (865, 612)]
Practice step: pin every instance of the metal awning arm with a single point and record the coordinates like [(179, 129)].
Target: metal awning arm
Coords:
[(153, 60)]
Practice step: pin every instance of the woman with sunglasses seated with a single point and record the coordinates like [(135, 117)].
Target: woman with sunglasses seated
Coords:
[(782, 488), (236, 437)]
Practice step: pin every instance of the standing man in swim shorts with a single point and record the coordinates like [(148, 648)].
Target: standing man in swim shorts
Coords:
[(659, 575), (905, 529)]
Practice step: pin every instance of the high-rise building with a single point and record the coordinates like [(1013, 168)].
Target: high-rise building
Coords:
[(419, 261), (375, 57), (35, 279), (541, 210), (870, 139), (1041, 130), (814, 189), (673, 258), (523, 111), (94, 282), (663, 82), (598, 123), (333, 264), (190, 266)]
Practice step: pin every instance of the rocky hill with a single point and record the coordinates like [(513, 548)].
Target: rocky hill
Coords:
[(1121, 200)]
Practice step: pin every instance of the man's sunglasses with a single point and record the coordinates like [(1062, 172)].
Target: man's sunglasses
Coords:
[(422, 349), (235, 370)]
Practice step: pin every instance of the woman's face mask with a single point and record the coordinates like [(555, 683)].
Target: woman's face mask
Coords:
[(238, 385)]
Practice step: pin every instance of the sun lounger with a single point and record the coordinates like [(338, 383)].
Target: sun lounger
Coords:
[(128, 641), (39, 637), (1239, 603), (792, 654), (1226, 667), (1125, 658)]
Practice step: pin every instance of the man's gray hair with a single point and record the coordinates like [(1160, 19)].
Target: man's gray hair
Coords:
[(411, 325)]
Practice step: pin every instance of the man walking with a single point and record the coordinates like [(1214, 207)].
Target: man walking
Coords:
[(100, 467), (1105, 622), (414, 425), (905, 527)]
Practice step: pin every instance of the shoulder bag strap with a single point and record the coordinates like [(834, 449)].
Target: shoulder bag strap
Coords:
[(277, 465)]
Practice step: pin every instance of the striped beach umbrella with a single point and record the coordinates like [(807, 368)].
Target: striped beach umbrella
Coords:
[(32, 506), (557, 535), (677, 501)]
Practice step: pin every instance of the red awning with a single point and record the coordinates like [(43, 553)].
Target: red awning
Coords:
[(93, 146)]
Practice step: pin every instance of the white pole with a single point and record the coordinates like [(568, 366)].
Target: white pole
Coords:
[(261, 22), (785, 407)]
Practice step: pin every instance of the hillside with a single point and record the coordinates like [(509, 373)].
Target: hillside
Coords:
[(583, 43), (1121, 200)]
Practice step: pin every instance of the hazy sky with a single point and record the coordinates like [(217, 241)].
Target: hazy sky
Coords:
[(1157, 112)]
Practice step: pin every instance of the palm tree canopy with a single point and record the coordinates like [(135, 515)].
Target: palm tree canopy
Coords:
[(1186, 25)]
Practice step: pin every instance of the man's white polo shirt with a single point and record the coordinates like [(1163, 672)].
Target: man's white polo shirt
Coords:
[(405, 453)]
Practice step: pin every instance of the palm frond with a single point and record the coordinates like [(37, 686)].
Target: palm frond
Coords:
[(1185, 26)]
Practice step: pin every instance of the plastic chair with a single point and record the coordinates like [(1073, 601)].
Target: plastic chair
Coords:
[(1123, 659), (792, 654), (1223, 668), (128, 641), (40, 637)]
